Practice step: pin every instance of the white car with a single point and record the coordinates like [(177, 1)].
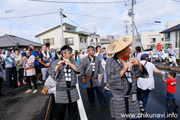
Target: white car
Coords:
[(164, 55), (155, 56)]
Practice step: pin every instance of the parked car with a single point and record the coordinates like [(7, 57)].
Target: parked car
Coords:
[(164, 55), (155, 56)]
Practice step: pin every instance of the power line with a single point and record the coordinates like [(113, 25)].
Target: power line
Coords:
[(140, 2), (43, 14), (79, 2), (29, 15), (139, 21), (79, 25), (94, 16)]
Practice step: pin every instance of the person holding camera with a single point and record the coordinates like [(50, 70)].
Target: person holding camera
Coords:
[(10, 66), (121, 77)]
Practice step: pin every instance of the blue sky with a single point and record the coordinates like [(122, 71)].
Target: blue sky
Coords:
[(146, 13)]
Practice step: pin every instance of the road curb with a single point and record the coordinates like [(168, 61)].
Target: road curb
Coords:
[(168, 67), (48, 112)]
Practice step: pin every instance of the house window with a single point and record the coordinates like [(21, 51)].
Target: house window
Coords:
[(167, 46), (49, 40), (176, 39), (151, 46), (69, 41), (70, 29), (152, 40), (167, 36), (81, 40), (85, 40), (92, 40)]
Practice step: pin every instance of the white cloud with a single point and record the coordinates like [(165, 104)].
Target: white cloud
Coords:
[(147, 12)]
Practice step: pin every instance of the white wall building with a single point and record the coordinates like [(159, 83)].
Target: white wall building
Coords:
[(171, 24), (149, 39), (77, 40), (172, 36)]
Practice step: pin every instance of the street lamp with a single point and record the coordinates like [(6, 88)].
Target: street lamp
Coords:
[(157, 21)]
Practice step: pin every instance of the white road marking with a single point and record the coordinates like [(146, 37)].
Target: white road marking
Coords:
[(81, 106)]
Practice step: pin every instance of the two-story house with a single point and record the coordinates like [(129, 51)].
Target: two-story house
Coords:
[(77, 40)]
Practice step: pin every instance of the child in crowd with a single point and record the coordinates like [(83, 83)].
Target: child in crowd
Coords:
[(171, 89)]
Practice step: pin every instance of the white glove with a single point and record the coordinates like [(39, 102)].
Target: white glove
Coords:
[(163, 73), (6, 52)]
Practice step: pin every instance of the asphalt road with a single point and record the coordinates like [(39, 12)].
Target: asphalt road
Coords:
[(17, 105), (20, 106), (156, 102)]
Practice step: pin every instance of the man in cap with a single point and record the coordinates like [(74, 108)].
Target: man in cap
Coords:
[(91, 67), (121, 77), (145, 85), (64, 72)]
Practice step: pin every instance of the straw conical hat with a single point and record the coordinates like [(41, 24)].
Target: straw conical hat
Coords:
[(119, 44)]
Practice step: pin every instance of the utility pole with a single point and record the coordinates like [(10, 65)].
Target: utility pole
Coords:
[(62, 38), (126, 26), (138, 36), (132, 13), (95, 37)]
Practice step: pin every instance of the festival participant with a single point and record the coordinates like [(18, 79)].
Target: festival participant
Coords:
[(45, 61), (91, 67), (172, 55), (64, 72), (29, 69), (121, 77)]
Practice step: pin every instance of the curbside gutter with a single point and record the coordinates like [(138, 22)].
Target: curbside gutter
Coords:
[(48, 112), (168, 67)]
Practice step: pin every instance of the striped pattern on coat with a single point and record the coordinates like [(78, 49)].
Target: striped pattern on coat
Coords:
[(61, 96), (87, 72), (119, 86)]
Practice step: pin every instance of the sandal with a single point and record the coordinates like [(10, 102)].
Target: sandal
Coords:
[(24, 83), (19, 84), (28, 91), (35, 91)]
